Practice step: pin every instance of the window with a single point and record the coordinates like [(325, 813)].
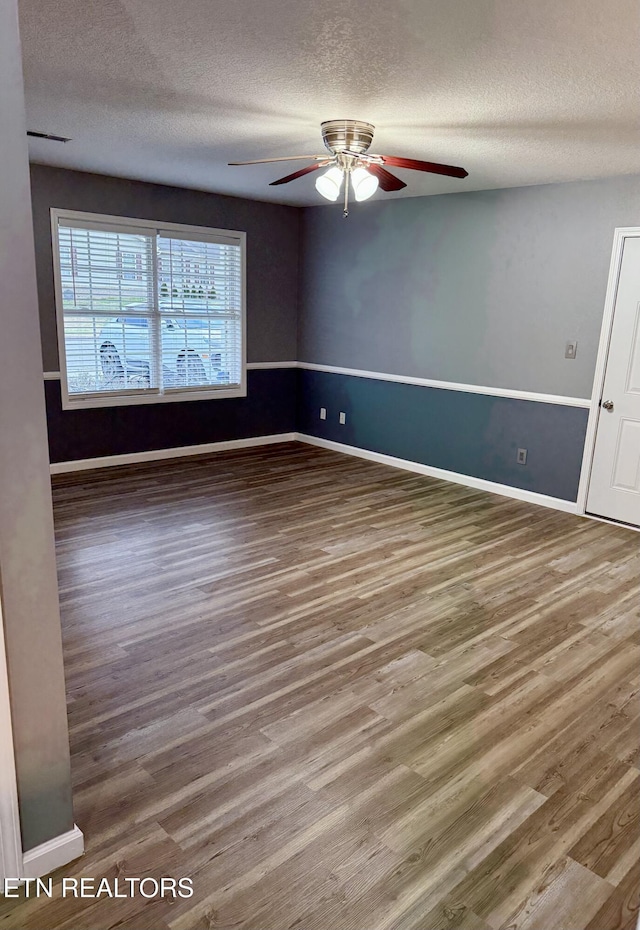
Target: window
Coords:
[(135, 325)]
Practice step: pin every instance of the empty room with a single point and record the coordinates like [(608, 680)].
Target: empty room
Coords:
[(320, 465)]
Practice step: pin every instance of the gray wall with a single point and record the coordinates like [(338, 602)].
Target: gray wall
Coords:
[(482, 288), (27, 564), (272, 247)]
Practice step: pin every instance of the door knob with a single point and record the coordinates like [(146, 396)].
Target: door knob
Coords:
[(607, 404)]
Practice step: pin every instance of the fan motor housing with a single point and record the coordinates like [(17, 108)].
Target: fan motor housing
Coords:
[(353, 135)]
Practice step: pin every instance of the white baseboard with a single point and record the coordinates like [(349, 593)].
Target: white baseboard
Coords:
[(430, 471), (51, 855), (108, 461)]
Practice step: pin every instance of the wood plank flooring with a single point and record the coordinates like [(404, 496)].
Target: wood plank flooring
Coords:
[(339, 696)]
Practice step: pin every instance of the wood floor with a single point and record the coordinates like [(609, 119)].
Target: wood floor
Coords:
[(339, 696)]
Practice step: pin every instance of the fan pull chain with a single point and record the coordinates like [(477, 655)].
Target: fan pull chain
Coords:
[(345, 212)]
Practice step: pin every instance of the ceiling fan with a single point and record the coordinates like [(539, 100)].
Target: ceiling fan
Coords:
[(348, 141)]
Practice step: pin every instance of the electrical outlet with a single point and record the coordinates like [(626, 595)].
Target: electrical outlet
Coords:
[(571, 349), (522, 457), (343, 418), (323, 413)]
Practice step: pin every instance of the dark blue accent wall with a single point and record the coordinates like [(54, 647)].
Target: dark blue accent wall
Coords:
[(472, 434), (268, 408)]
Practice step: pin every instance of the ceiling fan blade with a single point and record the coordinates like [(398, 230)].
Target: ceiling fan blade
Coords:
[(387, 181), (431, 166), (297, 174), (265, 161)]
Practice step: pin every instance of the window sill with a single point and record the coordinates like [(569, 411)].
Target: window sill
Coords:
[(132, 400)]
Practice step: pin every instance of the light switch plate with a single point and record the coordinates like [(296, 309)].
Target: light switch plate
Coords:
[(323, 413), (571, 349), (522, 457), (343, 418)]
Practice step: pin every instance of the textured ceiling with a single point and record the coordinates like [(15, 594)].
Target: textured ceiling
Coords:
[(516, 91)]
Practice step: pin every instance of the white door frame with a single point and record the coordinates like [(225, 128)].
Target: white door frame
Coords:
[(621, 233), (10, 835)]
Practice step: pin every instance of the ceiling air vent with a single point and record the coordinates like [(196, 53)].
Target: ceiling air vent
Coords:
[(48, 136)]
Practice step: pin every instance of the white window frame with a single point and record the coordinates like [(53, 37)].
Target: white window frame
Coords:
[(123, 398)]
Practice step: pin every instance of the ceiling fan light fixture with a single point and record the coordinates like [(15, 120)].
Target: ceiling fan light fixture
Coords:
[(347, 142), (364, 183), (329, 183)]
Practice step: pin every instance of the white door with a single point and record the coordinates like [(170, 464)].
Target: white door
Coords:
[(614, 487)]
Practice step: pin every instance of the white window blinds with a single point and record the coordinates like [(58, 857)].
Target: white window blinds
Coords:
[(103, 275), (148, 313), (200, 297)]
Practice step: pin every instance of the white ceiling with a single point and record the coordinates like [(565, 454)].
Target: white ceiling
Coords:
[(515, 91)]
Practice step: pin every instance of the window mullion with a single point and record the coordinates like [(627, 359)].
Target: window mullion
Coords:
[(155, 334)]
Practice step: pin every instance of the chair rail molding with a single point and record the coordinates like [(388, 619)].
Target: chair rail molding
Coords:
[(535, 396)]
